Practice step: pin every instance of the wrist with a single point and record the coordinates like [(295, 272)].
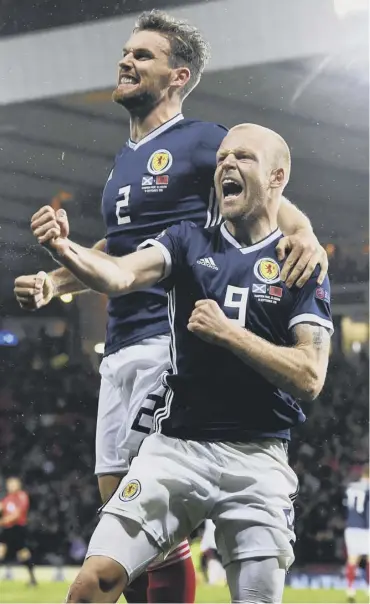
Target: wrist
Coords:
[(231, 335), (54, 286)]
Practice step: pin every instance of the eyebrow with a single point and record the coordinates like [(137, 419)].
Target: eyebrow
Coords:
[(125, 49), (238, 150)]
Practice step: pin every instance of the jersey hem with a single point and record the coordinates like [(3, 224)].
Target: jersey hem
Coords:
[(162, 329), (107, 470), (240, 437)]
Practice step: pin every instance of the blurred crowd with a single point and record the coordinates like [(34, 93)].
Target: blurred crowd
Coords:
[(47, 425), (47, 429), (326, 453), (345, 269)]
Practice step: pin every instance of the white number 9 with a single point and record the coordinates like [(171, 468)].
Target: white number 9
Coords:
[(240, 303)]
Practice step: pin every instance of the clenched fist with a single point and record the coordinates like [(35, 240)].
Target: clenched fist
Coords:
[(51, 229), (34, 291), (210, 323)]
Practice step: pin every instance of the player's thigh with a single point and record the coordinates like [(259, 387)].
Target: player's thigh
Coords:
[(357, 542), (150, 359), (15, 539), (112, 412), (254, 515), (168, 490), (124, 541), (256, 580)]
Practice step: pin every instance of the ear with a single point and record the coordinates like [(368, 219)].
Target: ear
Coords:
[(277, 178), (180, 77)]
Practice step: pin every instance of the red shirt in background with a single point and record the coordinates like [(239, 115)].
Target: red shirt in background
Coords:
[(16, 501)]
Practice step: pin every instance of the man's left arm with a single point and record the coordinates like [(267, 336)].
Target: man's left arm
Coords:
[(305, 251), (299, 370)]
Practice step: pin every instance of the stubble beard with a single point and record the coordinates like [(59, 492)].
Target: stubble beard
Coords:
[(138, 105)]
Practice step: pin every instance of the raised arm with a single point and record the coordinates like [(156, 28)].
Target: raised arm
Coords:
[(92, 267), (299, 370), (37, 290), (64, 282), (108, 274), (291, 220), (300, 245)]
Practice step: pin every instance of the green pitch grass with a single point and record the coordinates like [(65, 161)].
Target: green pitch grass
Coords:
[(53, 593), (13, 591)]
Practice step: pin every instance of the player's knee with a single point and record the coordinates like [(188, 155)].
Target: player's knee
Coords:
[(100, 579), (23, 555), (3, 550), (84, 588)]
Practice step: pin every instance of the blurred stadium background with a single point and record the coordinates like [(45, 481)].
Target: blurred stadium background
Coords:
[(300, 68)]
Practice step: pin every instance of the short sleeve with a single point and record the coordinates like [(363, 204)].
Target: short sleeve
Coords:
[(172, 243), (311, 304), (204, 157)]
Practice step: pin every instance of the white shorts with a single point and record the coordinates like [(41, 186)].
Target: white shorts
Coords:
[(357, 541), (208, 540), (125, 413), (173, 485)]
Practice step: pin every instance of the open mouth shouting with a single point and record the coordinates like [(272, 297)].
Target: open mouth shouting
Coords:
[(231, 189)]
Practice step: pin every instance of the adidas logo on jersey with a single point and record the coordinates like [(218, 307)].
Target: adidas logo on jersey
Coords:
[(208, 262)]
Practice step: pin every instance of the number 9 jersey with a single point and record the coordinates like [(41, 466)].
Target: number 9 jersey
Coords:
[(212, 394), (155, 183)]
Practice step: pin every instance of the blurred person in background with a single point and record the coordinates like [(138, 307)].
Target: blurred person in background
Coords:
[(356, 534), (13, 526), (162, 175)]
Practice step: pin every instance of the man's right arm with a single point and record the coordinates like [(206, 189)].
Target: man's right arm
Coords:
[(64, 282), (34, 291), (109, 274)]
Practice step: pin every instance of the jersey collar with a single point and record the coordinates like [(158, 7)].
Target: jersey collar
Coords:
[(251, 248), (154, 133)]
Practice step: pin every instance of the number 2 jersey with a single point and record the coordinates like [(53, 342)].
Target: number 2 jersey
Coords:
[(212, 394), (165, 178), (357, 502)]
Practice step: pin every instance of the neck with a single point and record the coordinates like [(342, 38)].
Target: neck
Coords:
[(252, 229), (141, 126)]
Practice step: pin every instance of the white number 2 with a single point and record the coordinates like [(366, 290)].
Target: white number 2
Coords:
[(123, 203), (237, 297)]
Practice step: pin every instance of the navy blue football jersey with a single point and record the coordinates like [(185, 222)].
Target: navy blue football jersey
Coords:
[(357, 502), (212, 394), (165, 178)]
